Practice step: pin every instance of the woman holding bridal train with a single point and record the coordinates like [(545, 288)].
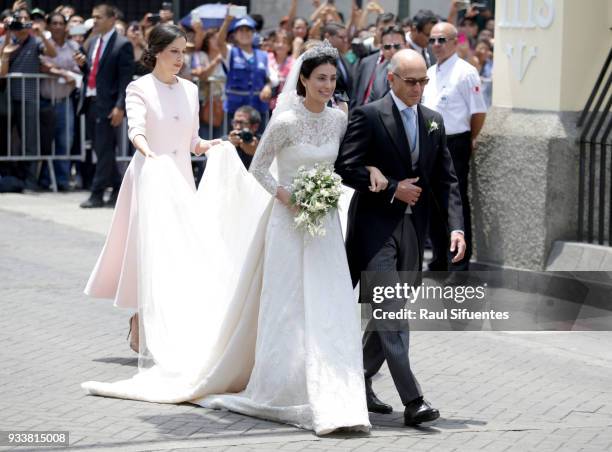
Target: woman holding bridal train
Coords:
[(155, 103), (269, 327)]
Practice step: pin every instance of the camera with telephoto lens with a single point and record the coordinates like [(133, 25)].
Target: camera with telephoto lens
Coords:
[(15, 24), (246, 135)]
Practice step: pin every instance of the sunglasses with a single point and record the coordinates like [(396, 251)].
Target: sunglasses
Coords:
[(412, 82), (441, 40), (392, 46)]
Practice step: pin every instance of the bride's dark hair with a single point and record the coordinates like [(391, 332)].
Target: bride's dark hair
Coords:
[(161, 37), (310, 65)]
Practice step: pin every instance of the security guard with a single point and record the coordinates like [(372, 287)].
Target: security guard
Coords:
[(247, 68), (454, 90)]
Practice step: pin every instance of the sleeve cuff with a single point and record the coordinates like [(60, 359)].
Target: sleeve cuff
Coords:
[(194, 145), (134, 133)]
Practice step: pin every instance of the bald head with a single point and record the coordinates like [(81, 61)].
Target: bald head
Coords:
[(407, 60), (445, 28), (444, 41), (407, 76)]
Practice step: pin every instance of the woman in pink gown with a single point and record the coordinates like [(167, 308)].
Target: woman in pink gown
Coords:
[(162, 111)]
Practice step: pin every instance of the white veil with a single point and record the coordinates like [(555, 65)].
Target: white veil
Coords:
[(289, 99)]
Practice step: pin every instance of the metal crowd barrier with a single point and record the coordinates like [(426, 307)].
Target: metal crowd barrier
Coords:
[(27, 152), (31, 110)]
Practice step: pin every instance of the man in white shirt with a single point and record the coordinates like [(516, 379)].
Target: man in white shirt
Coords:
[(454, 90)]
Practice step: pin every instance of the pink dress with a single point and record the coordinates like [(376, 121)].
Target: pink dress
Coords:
[(167, 115)]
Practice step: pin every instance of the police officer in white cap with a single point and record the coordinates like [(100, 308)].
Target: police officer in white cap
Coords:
[(454, 90)]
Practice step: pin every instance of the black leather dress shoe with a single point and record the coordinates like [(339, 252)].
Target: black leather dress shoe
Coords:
[(92, 203), (375, 405), (419, 411)]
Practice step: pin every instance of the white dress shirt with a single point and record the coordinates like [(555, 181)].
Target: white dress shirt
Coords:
[(454, 90), (92, 91)]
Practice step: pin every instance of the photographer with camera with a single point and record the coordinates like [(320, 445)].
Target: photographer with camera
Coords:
[(244, 135), (20, 50)]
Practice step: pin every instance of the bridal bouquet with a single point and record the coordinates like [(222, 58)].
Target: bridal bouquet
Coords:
[(315, 192)]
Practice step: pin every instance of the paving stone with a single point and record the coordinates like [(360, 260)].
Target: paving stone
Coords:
[(496, 391)]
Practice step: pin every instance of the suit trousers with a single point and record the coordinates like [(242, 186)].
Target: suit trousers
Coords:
[(380, 343), (104, 140), (460, 147)]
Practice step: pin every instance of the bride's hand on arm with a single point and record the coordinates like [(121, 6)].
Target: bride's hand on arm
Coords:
[(205, 145), (140, 143), (378, 181), (283, 195)]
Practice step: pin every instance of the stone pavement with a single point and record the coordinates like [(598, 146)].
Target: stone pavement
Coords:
[(496, 391)]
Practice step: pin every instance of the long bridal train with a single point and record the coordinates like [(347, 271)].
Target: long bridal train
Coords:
[(201, 262), (199, 323)]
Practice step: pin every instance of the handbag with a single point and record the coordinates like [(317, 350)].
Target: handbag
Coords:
[(217, 112)]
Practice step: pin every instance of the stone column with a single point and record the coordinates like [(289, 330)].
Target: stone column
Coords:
[(524, 179)]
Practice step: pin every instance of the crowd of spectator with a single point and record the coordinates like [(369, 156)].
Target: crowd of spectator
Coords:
[(242, 63)]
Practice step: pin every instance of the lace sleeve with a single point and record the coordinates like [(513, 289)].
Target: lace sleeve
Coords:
[(270, 144)]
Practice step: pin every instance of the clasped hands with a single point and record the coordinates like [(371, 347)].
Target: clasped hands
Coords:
[(408, 192)]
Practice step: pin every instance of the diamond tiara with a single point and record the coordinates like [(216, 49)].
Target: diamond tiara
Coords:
[(322, 49)]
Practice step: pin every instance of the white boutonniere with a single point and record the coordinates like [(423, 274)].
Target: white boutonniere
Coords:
[(432, 126)]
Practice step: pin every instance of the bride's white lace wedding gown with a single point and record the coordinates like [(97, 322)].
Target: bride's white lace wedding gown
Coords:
[(308, 367), (234, 298)]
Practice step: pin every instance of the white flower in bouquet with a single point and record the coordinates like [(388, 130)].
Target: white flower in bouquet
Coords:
[(315, 192)]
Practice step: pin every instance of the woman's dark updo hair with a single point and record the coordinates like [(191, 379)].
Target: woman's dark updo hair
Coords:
[(310, 65), (160, 37)]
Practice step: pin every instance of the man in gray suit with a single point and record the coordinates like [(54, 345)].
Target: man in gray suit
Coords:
[(393, 40)]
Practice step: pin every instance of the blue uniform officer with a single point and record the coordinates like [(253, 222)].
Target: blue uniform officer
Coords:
[(248, 81)]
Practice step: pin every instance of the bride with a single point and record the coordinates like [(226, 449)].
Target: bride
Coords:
[(266, 325)]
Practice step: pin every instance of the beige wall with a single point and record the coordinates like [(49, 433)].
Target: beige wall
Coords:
[(584, 51), (569, 51)]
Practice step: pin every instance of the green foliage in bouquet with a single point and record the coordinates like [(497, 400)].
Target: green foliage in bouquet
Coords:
[(315, 192)]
